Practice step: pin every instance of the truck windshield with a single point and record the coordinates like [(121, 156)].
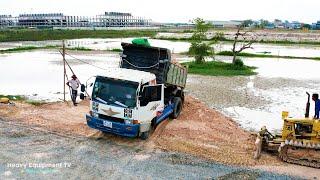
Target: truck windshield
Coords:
[(115, 92)]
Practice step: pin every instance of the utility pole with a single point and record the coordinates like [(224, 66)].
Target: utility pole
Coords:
[(64, 70)]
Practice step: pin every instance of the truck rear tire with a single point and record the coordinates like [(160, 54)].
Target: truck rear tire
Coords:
[(145, 135), (177, 107)]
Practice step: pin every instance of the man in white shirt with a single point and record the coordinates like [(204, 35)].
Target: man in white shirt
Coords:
[(74, 84)]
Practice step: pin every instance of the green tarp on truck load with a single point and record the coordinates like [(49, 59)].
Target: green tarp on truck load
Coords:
[(141, 42)]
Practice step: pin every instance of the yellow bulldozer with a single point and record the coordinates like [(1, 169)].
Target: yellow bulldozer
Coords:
[(298, 143)]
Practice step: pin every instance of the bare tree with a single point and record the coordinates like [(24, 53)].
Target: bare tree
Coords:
[(248, 38)]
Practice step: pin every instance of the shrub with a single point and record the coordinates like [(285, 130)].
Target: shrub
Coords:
[(238, 63), (199, 51)]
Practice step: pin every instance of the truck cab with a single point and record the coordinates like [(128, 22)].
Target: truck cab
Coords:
[(125, 102)]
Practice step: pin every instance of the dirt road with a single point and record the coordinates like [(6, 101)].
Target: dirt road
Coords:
[(31, 154), (199, 131)]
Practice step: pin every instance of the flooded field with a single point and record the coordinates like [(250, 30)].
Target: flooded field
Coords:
[(39, 74), (252, 101), (277, 50), (174, 46), (98, 44)]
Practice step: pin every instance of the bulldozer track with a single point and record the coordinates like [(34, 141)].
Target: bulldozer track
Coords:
[(283, 155)]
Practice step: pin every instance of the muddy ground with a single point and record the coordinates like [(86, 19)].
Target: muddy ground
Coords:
[(261, 35), (200, 131), (32, 154), (253, 101)]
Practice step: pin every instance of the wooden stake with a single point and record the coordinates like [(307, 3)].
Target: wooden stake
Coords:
[(64, 70)]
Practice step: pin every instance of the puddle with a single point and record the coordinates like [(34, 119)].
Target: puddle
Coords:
[(98, 44), (174, 46), (39, 74), (285, 68), (258, 101), (292, 99), (277, 50)]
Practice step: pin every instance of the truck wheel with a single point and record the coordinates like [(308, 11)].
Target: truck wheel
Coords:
[(145, 135), (177, 107)]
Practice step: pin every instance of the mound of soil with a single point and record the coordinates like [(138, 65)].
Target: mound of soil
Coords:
[(206, 133)]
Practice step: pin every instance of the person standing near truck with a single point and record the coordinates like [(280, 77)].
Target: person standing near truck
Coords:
[(315, 98), (74, 84)]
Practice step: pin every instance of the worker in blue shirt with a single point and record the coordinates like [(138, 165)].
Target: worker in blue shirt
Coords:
[(315, 98)]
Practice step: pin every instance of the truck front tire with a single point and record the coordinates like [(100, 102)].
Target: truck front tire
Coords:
[(177, 107), (145, 135)]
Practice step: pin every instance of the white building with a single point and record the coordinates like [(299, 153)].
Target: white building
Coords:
[(108, 19)]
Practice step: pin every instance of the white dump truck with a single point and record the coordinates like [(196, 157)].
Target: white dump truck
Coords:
[(146, 89)]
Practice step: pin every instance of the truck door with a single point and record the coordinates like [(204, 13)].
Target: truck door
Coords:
[(151, 101)]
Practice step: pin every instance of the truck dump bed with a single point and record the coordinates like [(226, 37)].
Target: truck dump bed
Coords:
[(154, 60)]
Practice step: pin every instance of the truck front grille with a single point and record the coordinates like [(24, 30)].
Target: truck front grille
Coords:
[(110, 118)]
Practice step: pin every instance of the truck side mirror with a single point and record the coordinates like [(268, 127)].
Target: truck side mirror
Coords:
[(83, 88), (150, 94), (82, 97), (141, 98)]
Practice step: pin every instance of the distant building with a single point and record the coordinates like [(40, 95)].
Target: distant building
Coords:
[(6, 21), (108, 19), (225, 24), (41, 20), (296, 25), (116, 19), (270, 26), (316, 26), (278, 24), (293, 25)]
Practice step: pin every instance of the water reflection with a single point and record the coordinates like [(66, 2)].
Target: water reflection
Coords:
[(39, 74), (175, 46)]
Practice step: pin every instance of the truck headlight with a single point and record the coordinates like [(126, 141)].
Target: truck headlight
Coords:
[(127, 121), (95, 106), (94, 114)]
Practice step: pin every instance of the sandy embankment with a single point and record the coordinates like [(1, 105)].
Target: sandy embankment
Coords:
[(199, 130)]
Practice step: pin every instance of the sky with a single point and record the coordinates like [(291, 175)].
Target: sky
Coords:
[(175, 10)]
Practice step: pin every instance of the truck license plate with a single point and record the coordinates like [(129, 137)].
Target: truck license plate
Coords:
[(107, 124)]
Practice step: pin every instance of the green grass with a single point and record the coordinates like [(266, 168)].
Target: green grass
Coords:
[(278, 42), (18, 49), (229, 53), (79, 49), (40, 35), (29, 48), (26, 48), (14, 97), (35, 103), (222, 39), (216, 68), (286, 42), (116, 50), (23, 99)]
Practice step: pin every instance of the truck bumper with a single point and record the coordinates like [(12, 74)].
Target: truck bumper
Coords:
[(128, 130)]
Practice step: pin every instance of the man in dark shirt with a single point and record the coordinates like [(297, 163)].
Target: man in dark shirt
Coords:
[(315, 98)]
